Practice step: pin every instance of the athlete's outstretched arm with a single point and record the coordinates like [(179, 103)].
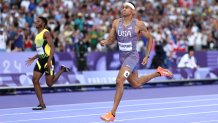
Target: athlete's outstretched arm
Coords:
[(29, 61), (148, 35), (112, 35), (48, 38)]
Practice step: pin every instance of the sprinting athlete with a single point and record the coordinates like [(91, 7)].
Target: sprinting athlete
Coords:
[(126, 31), (46, 62)]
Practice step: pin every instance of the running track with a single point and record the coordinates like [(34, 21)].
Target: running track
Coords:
[(194, 104)]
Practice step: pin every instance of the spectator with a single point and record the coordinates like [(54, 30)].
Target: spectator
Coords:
[(79, 22), (198, 40), (211, 43), (170, 20), (56, 41), (77, 35), (3, 38), (188, 64), (93, 34), (21, 21), (18, 42), (28, 44), (25, 4), (170, 53), (11, 34), (68, 4), (29, 19), (81, 50), (39, 9), (160, 58), (67, 37), (32, 6)]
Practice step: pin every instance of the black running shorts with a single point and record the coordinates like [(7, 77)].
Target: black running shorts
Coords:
[(41, 66)]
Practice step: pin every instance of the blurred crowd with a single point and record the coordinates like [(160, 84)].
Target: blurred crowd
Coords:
[(78, 25)]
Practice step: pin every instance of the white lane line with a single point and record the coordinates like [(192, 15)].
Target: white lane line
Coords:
[(162, 116), (105, 107), (136, 100), (62, 117), (208, 121), (123, 112)]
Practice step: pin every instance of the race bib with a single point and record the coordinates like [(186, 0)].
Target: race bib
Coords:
[(125, 46), (40, 51)]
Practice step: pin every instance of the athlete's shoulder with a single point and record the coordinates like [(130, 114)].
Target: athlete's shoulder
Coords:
[(140, 23), (46, 30), (116, 20), (46, 33)]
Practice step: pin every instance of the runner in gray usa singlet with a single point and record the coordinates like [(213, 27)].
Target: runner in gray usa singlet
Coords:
[(127, 40)]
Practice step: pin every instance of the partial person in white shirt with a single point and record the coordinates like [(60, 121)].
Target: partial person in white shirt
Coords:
[(188, 64), (188, 60), (3, 39)]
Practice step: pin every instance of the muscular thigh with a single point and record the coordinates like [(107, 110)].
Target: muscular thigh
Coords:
[(39, 67), (51, 71), (130, 61), (49, 78), (36, 76), (123, 74)]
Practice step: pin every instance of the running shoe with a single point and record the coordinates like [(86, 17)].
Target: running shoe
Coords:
[(66, 69), (108, 117), (164, 72), (39, 107)]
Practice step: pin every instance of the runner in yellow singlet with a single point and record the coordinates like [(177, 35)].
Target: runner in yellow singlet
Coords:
[(46, 62)]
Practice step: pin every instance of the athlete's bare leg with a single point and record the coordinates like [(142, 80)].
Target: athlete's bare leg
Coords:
[(119, 88), (136, 81), (36, 78), (51, 79)]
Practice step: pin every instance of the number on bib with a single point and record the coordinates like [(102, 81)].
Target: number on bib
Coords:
[(125, 46)]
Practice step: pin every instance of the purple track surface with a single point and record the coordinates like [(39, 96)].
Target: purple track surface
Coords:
[(187, 104)]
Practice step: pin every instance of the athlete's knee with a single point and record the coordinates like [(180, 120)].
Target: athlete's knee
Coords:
[(50, 81), (35, 80), (49, 84)]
